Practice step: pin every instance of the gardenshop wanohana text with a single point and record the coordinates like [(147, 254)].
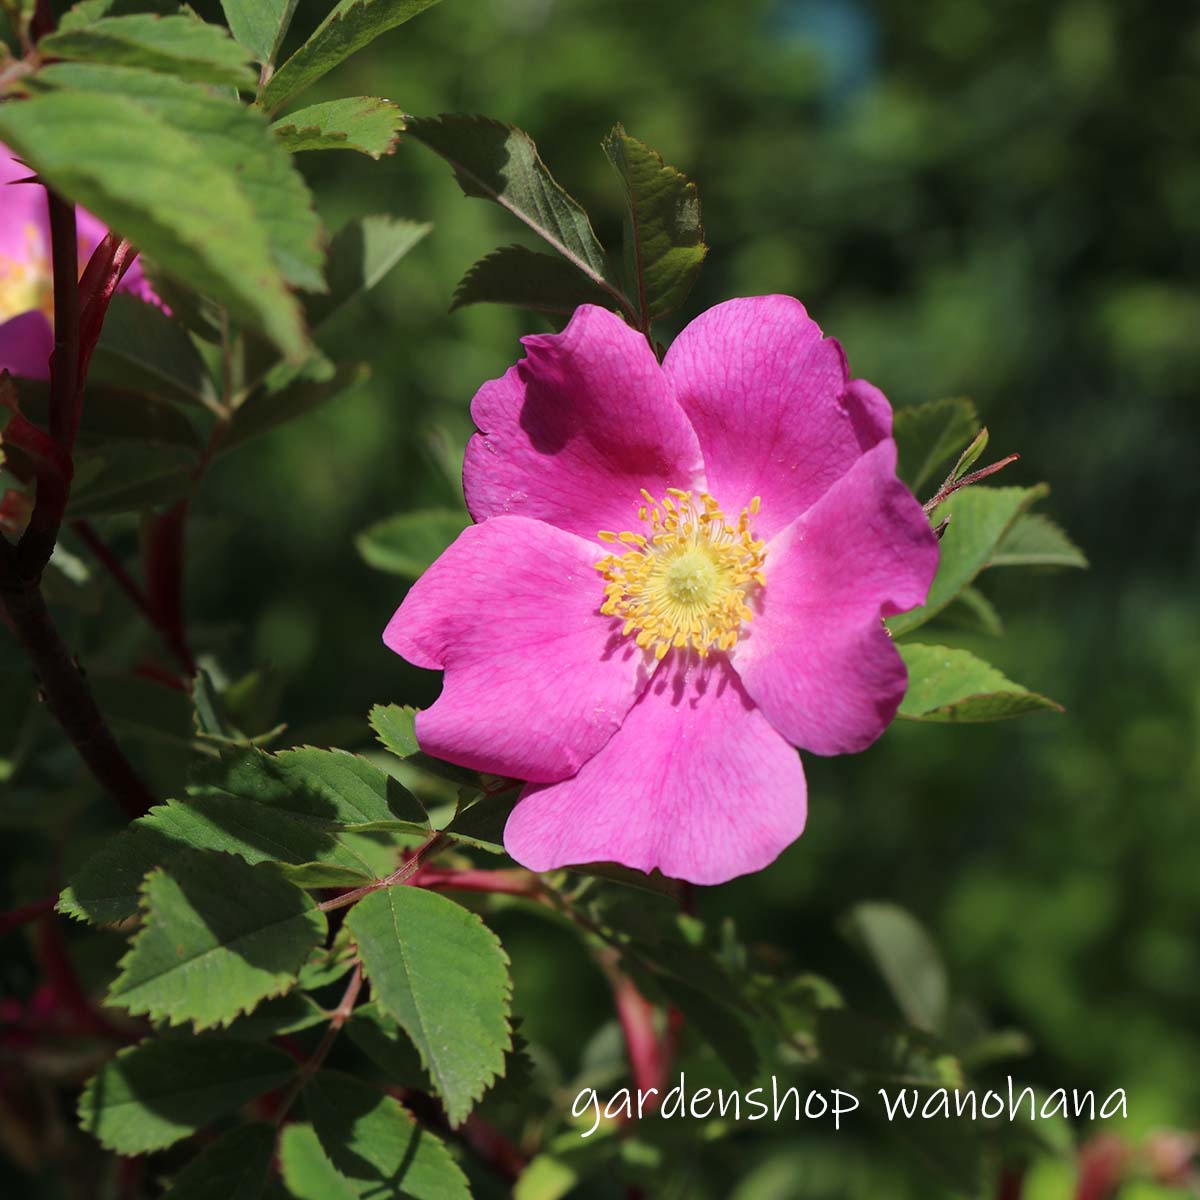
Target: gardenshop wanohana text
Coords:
[(905, 1104)]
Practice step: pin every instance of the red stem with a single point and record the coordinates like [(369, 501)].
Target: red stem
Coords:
[(953, 485), (496, 883), (16, 917), (647, 1052)]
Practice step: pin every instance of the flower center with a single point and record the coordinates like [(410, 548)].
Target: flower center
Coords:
[(25, 283), (684, 581)]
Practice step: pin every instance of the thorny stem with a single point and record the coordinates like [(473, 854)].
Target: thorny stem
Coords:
[(337, 1019), (402, 874), (952, 485)]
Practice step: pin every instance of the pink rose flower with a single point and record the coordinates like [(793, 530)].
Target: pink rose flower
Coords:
[(678, 573), (26, 281)]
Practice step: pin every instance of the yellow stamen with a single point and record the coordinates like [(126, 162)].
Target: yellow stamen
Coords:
[(685, 581)]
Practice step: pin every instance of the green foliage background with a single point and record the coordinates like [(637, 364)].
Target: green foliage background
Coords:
[(994, 200)]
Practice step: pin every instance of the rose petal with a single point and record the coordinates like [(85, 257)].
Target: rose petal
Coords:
[(696, 783), (574, 431), (26, 343), (771, 403), (24, 215), (816, 657), (536, 679)]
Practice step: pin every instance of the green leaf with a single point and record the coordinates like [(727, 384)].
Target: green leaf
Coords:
[(408, 543), (970, 455), (363, 123), (283, 1014), (159, 1091), (541, 282), (183, 46), (417, 948), (396, 728), (260, 25), (906, 957), (1036, 541), (928, 435), (382, 1040), (266, 409), (973, 611), (480, 822), (980, 518), (125, 162), (499, 162), (351, 25), (231, 136), (954, 685), (307, 1171), (664, 238), (113, 414), (119, 478), (219, 936), (361, 254), (141, 349), (234, 1168), (375, 1143)]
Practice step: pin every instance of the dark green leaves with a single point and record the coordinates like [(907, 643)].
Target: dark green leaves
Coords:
[(499, 162), (183, 46), (269, 406), (664, 239), (233, 1168), (954, 685), (407, 543), (540, 282), (372, 1143), (418, 949), (155, 1093), (219, 936), (350, 26), (1036, 541), (363, 123)]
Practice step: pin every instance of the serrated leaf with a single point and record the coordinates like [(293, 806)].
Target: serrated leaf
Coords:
[(141, 349), (219, 936), (266, 409), (360, 256), (273, 1018), (499, 162), (906, 958), (363, 123), (541, 282), (159, 1091), (979, 519), (481, 821), (928, 435), (664, 237), (234, 1168), (306, 1168), (235, 138), (350, 25), (395, 726), (954, 685), (1036, 541), (375, 1143), (126, 163), (417, 948), (408, 543), (260, 25), (182, 46)]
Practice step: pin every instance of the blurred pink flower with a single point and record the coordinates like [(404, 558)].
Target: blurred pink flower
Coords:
[(26, 303), (678, 573)]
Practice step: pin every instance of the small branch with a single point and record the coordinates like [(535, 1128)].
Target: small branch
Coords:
[(340, 1016), (495, 883), (64, 248), (66, 691), (953, 485), (402, 874), (16, 917)]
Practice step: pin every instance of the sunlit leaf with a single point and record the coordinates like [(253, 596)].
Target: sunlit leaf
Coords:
[(954, 685)]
